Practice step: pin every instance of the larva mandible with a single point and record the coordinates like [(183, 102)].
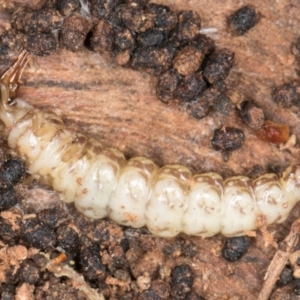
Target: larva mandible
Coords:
[(137, 193)]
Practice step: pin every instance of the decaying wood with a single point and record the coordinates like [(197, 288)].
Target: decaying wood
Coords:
[(59, 270), (119, 107), (279, 261)]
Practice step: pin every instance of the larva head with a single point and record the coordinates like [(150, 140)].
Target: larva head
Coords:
[(12, 110)]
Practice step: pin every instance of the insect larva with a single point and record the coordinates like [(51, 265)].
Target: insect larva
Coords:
[(136, 193)]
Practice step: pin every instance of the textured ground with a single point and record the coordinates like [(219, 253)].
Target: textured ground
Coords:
[(119, 107)]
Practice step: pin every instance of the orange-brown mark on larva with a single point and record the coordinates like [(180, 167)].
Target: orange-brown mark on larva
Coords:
[(272, 132), (130, 217)]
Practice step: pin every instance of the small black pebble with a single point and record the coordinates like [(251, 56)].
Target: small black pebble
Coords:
[(7, 233), (152, 60), (103, 8), (66, 7), (140, 4), (53, 217), (222, 103), (68, 239), (149, 295), (287, 94), (102, 38), (8, 198), (7, 295), (162, 16), (297, 287), (28, 272), (182, 279), (90, 262), (218, 65), (124, 40), (39, 260), (228, 139), (187, 29), (200, 107), (252, 115), (74, 32), (7, 291), (235, 248), (11, 172), (190, 87), (285, 277), (193, 296), (242, 20), (41, 44), (167, 85), (37, 235), (152, 37)]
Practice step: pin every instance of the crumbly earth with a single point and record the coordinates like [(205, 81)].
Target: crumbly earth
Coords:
[(119, 107)]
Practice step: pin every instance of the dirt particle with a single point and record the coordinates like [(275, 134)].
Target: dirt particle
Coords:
[(162, 16), (41, 44), (190, 87), (74, 32), (53, 217), (102, 37), (11, 172), (252, 115), (188, 61), (218, 65), (167, 85), (286, 276), (45, 20), (235, 248), (37, 235), (228, 139), (67, 7), (8, 198), (188, 27), (152, 37), (103, 8), (68, 239), (28, 272), (90, 262), (182, 279), (287, 94), (243, 20), (152, 60)]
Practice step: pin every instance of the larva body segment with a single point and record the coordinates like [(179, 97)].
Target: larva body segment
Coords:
[(239, 212), (100, 181), (134, 187), (168, 200), (203, 214), (272, 200)]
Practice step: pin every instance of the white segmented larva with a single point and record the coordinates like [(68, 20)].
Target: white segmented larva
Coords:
[(136, 193)]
